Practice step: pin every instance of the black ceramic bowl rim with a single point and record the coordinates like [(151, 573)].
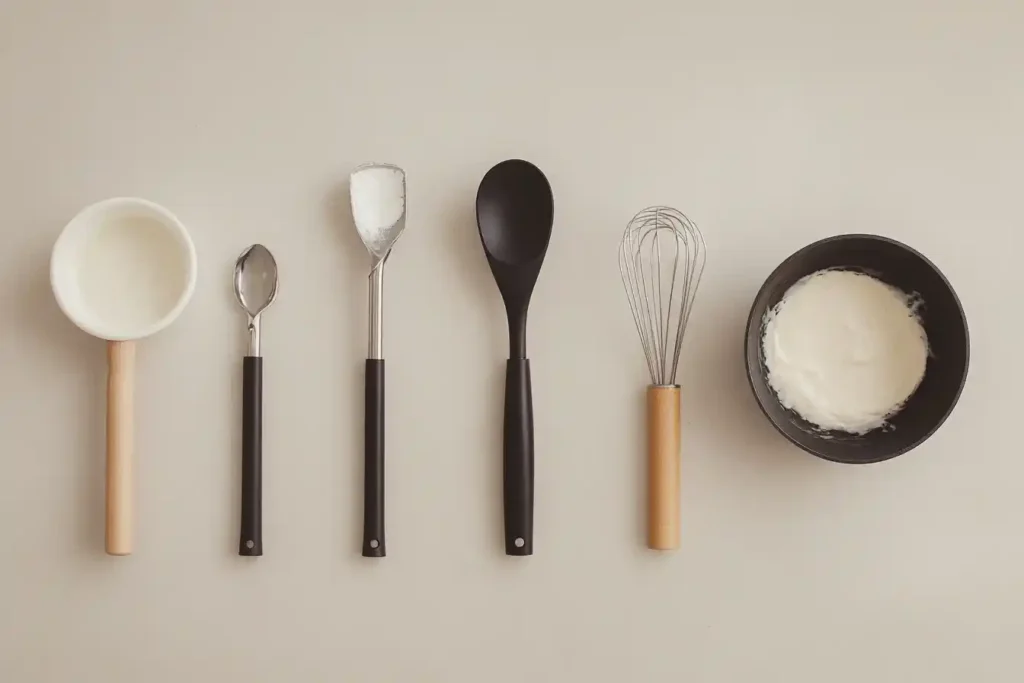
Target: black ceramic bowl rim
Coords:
[(755, 376)]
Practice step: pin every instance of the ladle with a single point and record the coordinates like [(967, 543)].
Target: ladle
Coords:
[(121, 270)]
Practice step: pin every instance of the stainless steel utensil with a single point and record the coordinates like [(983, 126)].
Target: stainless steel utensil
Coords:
[(255, 288), (377, 195), (661, 260)]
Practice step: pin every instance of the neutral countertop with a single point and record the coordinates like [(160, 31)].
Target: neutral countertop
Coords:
[(769, 124)]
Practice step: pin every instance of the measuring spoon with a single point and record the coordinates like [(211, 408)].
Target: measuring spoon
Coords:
[(121, 270), (255, 288), (515, 212)]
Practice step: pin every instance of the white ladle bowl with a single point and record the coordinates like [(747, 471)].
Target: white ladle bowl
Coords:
[(121, 270)]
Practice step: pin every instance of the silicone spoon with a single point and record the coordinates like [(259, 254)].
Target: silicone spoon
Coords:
[(515, 212)]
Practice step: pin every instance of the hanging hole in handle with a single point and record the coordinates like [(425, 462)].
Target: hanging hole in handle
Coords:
[(250, 545), (374, 544), (520, 542)]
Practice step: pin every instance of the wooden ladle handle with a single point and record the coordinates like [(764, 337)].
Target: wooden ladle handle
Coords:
[(663, 467), (120, 417)]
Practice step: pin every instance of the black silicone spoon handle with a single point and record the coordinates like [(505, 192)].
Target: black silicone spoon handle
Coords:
[(518, 458), (373, 475), (250, 542)]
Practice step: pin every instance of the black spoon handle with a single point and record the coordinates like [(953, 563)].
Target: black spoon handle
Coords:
[(518, 458), (250, 542), (373, 475)]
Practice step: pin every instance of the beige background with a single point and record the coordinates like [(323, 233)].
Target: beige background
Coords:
[(770, 124)]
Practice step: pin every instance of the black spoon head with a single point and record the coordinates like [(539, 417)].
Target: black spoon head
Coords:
[(514, 212)]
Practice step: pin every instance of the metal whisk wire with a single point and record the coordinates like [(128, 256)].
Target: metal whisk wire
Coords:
[(661, 260)]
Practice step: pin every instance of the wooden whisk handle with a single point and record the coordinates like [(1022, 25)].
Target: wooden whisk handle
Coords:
[(663, 467)]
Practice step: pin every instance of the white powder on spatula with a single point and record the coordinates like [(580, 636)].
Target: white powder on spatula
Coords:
[(844, 350), (378, 202)]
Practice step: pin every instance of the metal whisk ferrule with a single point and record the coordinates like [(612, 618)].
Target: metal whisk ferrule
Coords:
[(661, 260)]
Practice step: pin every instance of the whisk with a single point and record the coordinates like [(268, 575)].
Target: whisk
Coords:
[(661, 260)]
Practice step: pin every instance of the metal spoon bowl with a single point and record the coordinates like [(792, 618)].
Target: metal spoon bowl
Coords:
[(256, 279), (255, 288)]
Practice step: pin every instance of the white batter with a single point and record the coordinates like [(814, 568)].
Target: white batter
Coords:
[(131, 273), (844, 350)]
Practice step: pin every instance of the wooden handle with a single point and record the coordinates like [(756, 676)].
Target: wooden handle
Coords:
[(120, 394), (663, 468)]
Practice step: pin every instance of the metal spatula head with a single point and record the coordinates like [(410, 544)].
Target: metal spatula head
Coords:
[(377, 194)]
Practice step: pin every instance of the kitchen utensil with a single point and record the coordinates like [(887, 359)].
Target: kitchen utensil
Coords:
[(377, 193), (944, 323), (515, 212), (255, 288), (661, 260), (121, 270)]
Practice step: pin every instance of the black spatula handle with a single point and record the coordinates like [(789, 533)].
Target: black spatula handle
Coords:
[(373, 475), (518, 458), (250, 542)]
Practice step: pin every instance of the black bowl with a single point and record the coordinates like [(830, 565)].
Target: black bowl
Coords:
[(944, 322)]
